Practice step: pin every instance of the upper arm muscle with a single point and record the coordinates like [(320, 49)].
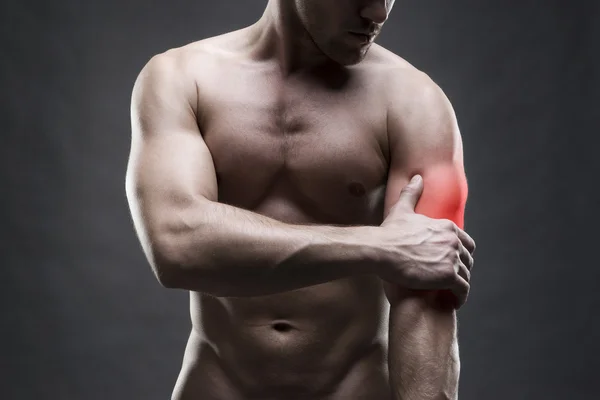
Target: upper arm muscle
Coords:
[(170, 166), (425, 140)]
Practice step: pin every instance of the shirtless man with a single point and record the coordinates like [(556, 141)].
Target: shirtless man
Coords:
[(269, 176)]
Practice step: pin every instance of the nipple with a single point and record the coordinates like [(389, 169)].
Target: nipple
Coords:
[(356, 189)]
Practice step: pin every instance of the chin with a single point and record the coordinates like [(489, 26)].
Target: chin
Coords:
[(349, 56), (343, 54), (350, 59), (356, 60)]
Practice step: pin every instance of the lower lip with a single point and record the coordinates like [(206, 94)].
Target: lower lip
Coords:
[(363, 39)]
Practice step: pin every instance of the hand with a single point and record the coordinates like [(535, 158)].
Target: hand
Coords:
[(422, 253)]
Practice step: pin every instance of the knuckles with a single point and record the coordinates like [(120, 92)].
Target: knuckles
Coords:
[(448, 275), (454, 242), (448, 225)]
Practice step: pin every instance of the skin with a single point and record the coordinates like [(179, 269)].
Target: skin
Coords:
[(269, 176)]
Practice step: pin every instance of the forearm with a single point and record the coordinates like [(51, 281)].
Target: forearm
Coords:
[(423, 349), (227, 251)]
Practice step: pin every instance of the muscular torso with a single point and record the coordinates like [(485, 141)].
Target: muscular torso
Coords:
[(311, 148)]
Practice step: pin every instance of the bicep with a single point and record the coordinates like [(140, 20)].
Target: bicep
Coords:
[(445, 191), (427, 141), (170, 167)]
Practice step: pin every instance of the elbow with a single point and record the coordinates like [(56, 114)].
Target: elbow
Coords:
[(169, 278), (172, 239), (171, 262), (177, 265), (167, 266)]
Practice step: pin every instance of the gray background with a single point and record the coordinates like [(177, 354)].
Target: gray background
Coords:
[(82, 315)]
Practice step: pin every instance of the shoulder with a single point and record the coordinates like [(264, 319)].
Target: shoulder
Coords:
[(183, 69), (192, 59), (164, 74), (174, 74), (404, 84), (174, 64), (421, 119), (408, 91)]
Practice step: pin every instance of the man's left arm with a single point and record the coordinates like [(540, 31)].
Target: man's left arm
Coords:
[(424, 139)]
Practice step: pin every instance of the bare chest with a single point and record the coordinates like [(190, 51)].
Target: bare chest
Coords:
[(298, 153)]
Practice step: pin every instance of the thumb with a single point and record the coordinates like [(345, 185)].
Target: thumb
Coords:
[(409, 197)]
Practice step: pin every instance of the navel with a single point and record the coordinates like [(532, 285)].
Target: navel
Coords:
[(282, 327)]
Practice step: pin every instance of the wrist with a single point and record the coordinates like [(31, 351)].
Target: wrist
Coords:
[(375, 260), (343, 248)]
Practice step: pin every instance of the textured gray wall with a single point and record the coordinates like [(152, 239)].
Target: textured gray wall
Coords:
[(82, 316)]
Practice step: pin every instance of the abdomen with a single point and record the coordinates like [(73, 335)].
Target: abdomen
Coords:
[(307, 338)]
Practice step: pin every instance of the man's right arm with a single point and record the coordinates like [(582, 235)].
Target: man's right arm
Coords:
[(195, 243)]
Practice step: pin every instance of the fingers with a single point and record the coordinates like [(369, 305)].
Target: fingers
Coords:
[(461, 290), (459, 285), (463, 276), (409, 197), (464, 272), (454, 282), (465, 257), (466, 240)]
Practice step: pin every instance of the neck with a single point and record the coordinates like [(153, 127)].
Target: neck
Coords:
[(280, 35)]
